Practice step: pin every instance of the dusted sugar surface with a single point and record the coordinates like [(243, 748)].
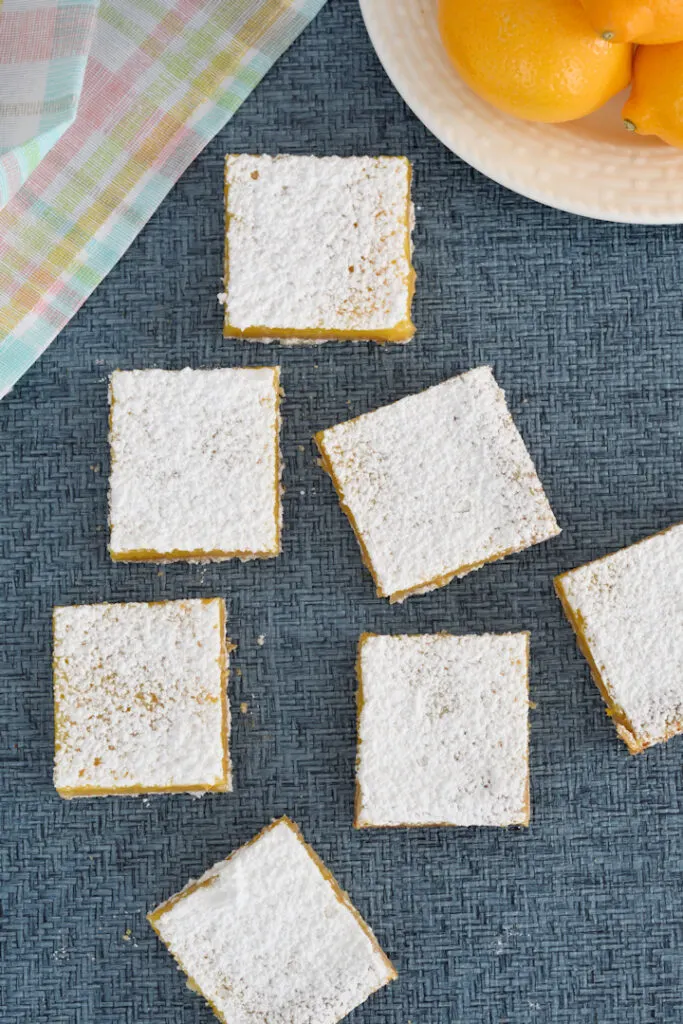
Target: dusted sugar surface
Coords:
[(437, 484), (443, 730), (318, 243), (267, 936), (195, 463), (628, 611), (140, 701)]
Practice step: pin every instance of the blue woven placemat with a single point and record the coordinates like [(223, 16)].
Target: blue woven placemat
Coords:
[(576, 920)]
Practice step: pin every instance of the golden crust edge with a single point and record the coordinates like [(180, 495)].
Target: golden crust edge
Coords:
[(326, 464), (622, 724)]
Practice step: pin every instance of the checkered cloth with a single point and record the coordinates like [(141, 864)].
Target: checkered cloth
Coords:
[(102, 107), (43, 54)]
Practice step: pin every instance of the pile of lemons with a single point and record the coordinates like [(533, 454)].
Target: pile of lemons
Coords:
[(558, 60)]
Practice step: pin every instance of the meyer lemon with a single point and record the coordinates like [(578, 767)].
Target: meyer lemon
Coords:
[(537, 59), (637, 21), (655, 106)]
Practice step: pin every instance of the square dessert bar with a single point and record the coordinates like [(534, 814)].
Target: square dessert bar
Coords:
[(267, 935), (318, 248), (627, 612), (141, 701), (443, 733), (195, 464), (437, 484)]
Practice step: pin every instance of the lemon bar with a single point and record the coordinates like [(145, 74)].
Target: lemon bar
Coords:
[(195, 464), (267, 935), (437, 484), (443, 732), (140, 695), (318, 248), (627, 612)]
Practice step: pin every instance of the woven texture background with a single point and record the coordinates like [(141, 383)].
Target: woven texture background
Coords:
[(578, 919)]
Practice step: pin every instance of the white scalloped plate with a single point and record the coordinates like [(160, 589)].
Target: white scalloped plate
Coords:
[(591, 167)]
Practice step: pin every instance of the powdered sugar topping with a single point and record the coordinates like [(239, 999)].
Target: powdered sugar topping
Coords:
[(195, 463), (265, 937), (139, 696), (630, 606), (317, 243), (438, 483), (443, 733)]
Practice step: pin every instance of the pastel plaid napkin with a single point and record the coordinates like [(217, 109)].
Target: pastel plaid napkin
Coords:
[(82, 174), (43, 54)]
